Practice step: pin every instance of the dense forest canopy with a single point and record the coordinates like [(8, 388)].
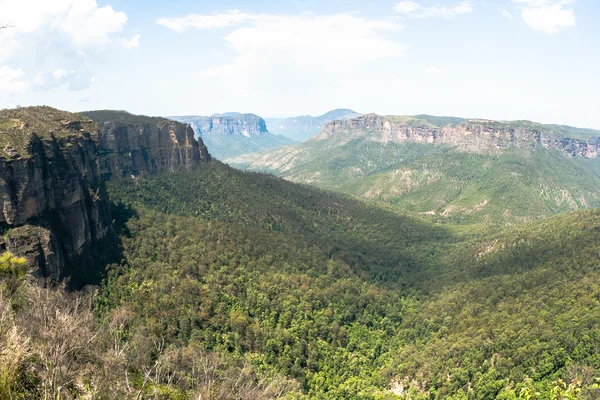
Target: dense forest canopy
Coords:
[(231, 284), (297, 293)]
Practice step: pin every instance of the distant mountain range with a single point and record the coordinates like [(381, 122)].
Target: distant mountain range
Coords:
[(302, 128), (447, 168), (231, 134)]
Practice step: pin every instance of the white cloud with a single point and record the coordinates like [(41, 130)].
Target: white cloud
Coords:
[(132, 43), (415, 10), (548, 16), (211, 21), (39, 79), (11, 80), (60, 73), (83, 22), (407, 7), (90, 25), (303, 40), (505, 13), (49, 39), (434, 70), (304, 54)]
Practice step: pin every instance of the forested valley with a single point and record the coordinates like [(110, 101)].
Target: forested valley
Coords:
[(241, 285)]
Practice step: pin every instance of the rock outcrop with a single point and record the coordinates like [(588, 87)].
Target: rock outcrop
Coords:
[(470, 135), (230, 134), (133, 149), (58, 188), (231, 124), (55, 210)]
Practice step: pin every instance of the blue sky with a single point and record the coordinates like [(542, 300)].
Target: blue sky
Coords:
[(500, 59)]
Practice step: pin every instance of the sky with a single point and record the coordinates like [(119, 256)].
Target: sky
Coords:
[(498, 59)]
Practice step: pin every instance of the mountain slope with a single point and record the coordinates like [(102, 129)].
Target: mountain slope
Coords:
[(302, 128), (392, 304), (241, 285), (231, 134), (233, 284), (450, 169), (511, 314), (53, 166), (294, 278)]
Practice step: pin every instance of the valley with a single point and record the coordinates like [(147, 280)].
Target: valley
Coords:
[(299, 200), (283, 289), (448, 169)]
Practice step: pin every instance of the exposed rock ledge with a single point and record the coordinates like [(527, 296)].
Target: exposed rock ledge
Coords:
[(469, 135), (54, 205)]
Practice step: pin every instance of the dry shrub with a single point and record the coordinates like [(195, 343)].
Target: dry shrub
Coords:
[(15, 351), (209, 376)]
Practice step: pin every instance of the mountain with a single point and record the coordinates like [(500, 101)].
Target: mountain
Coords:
[(395, 305), (450, 169), (221, 283), (302, 128), (231, 134), (53, 165)]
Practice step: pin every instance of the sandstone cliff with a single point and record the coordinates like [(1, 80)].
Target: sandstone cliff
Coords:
[(247, 125), (469, 135), (131, 145), (53, 165), (231, 134)]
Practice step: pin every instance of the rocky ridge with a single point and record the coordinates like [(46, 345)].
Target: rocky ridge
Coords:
[(55, 208), (247, 125), (231, 134), (469, 135), (131, 145)]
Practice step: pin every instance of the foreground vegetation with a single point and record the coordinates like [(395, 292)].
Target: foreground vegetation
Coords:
[(239, 285)]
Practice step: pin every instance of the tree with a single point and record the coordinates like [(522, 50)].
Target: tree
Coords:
[(12, 266)]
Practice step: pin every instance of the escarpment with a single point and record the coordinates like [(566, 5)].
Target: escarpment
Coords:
[(232, 134), (55, 210), (56, 187), (132, 149), (468, 135), (230, 124)]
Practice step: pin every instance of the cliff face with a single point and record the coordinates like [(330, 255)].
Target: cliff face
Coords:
[(54, 205), (472, 135), (132, 149), (230, 134), (54, 201), (247, 125)]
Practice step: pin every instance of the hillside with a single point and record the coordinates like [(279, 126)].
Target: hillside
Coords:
[(122, 117), (448, 169), (227, 284), (54, 207), (506, 315), (292, 292), (446, 285), (303, 127), (17, 126), (231, 134)]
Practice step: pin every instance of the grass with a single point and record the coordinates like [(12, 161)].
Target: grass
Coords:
[(18, 125), (122, 117)]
